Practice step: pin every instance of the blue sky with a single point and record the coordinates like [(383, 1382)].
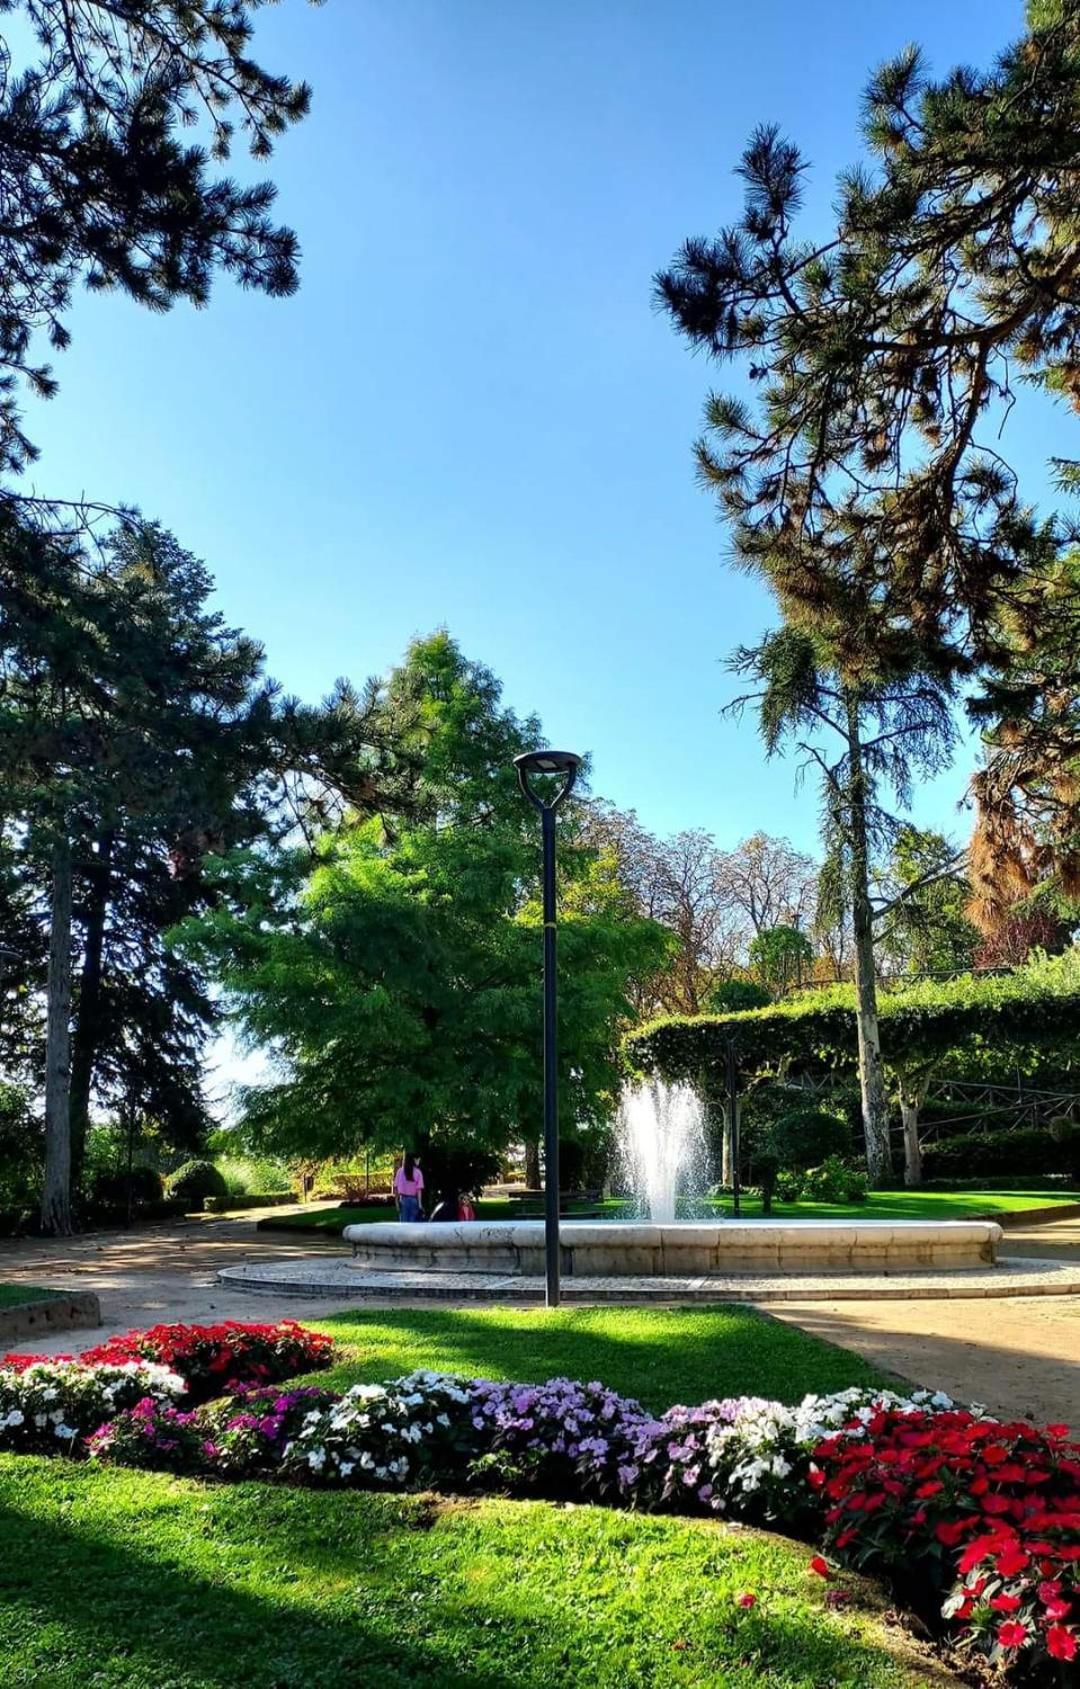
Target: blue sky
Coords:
[(470, 414)]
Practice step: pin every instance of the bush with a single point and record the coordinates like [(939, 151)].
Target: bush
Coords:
[(806, 1137), (736, 996), (51, 1404), (834, 1181), (1030, 1149), (195, 1181), (110, 1188)]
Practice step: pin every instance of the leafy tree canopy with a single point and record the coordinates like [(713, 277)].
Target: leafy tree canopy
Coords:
[(398, 983)]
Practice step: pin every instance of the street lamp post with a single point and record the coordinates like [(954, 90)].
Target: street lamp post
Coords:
[(564, 764)]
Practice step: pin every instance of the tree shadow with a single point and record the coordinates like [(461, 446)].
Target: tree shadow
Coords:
[(660, 1356), (152, 1596)]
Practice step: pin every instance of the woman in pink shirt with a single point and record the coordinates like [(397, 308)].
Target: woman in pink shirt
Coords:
[(408, 1184)]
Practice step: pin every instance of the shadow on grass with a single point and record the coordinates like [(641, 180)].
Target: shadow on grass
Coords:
[(142, 1581), (659, 1355), (78, 1606)]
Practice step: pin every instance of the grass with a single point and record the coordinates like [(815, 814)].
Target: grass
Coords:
[(658, 1355), (186, 1586), (880, 1205), (912, 1205), (11, 1295)]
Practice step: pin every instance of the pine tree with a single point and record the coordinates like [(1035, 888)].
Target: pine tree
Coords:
[(99, 186)]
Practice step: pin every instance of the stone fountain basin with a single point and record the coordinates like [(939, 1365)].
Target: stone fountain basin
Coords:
[(615, 1249)]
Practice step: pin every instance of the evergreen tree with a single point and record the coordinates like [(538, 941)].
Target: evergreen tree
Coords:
[(137, 737)]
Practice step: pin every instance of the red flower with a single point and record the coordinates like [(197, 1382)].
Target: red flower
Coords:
[(1006, 1603), (1011, 1634), (1058, 1431), (746, 1599), (1061, 1643), (1011, 1560), (821, 1566)]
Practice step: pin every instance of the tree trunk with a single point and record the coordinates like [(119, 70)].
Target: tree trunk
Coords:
[(875, 1111), (532, 1164), (909, 1114), (88, 1018), (56, 1192)]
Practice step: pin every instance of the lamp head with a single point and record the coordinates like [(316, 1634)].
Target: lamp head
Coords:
[(532, 763)]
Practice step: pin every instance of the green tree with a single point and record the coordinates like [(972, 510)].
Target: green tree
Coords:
[(398, 983), (781, 956), (922, 926), (137, 735), (863, 738)]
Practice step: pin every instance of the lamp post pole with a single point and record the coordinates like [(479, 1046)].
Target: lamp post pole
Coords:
[(566, 764)]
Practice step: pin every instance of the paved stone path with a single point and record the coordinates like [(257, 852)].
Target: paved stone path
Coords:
[(1017, 1356)]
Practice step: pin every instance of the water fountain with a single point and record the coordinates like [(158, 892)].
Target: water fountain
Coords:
[(662, 1158), (661, 1149)]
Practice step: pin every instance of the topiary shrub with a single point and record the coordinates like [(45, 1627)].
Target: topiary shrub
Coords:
[(806, 1137), (980, 1154), (195, 1181), (736, 996)]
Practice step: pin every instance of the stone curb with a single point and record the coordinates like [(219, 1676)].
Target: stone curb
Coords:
[(79, 1309), (338, 1281)]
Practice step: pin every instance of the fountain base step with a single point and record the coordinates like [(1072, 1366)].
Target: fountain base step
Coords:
[(682, 1249), (340, 1280)]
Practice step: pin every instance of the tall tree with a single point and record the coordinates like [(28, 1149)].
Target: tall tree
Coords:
[(137, 736), (860, 740), (921, 898), (398, 982), (100, 187), (770, 882)]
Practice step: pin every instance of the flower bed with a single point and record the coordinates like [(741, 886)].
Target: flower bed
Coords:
[(212, 1358), (976, 1522)]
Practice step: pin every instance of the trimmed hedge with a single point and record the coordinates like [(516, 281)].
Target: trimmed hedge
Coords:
[(988, 1154), (222, 1204)]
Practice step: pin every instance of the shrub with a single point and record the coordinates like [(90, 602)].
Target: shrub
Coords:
[(110, 1187), (195, 1181), (385, 1435), (834, 1181), (1027, 1150), (153, 1434), (560, 1437), (979, 1517), (806, 1137), (211, 1359), (736, 996), (248, 1431)]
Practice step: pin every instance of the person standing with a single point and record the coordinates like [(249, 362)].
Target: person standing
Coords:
[(408, 1188)]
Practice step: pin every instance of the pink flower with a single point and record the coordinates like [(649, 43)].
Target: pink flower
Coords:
[(746, 1599)]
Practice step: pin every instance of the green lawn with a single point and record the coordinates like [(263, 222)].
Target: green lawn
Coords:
[(913, 1205), (130, 1580), (659, 1355), (880, 1205), (12, 1294)]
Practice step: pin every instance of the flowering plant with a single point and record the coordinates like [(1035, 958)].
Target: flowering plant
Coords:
[(560, 1437), (986, 1513), (213, 1358), (249, 1431), (388, 1435), (51, 1405), (152, 1433)]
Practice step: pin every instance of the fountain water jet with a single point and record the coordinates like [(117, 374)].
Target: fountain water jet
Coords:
[(661, 1146)]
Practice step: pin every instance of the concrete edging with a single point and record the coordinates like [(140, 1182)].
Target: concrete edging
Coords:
[(77, 1310)]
